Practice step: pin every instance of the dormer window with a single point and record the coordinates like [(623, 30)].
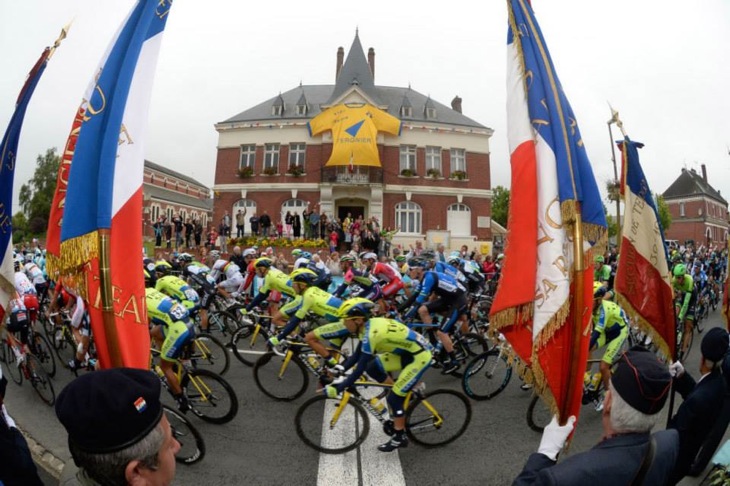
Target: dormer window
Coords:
[(277, 110), (406, 112), (430, 113), (301, 110)]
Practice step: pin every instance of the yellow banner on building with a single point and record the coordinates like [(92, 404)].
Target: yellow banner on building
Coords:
[(354, 132)]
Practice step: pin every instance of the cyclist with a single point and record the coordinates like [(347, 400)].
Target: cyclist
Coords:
[(310, 299), (356, 282), (610, 329), (471, 271), (446, 296), (602, 273), (385, 346), (179, 290), (18, 322), (80, 325), (35, 275), (25, 288), (324, 277), (171, 328), (388, 277), (684, 288), (233, 279), (274, 280)]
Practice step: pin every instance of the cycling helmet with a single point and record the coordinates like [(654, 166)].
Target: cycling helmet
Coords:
[(147, 278), (356, 307), (303, 275), (428, 254), (347, 258), (16, 265), (454, 259), (296, 252), (163, 267), (400, 258), (368, 255), (598, 259), (248, 252), (214, 254), (500, 257), (599, 290), (307, 255), (417, 262), (680, 270), (263, 262), (28, 258)]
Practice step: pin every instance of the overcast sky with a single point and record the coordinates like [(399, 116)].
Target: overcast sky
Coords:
[(663, 64)]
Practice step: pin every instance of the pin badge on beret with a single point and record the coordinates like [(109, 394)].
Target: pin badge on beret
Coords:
[(140, 404)]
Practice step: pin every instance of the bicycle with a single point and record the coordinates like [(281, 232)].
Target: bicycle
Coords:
[(208, 353), (432, 419), (287, 379), (65, 345), (465, 344), (192, 445), (210, 397), (29, 368), (250, 341), (488, 373)]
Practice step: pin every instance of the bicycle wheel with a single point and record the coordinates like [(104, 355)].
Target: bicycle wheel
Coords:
[(486, 375), (41, 348), (210, 397), (280, 379), (192, 446), (65, 347), (208, 353), (440, 417), (40, 380), (538, 414), (331, 436), (11, 362), (223, 322), (46, 323), (248, 344), (472, 344)]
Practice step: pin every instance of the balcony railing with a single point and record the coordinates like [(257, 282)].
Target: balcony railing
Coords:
[(358, 175)]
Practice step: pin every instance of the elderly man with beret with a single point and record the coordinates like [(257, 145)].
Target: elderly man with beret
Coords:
[(628, 453), (703, 400), (117, 432)]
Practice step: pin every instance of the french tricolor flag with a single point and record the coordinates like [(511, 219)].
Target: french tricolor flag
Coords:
[(552, 190), (643, 283), (103, 207)]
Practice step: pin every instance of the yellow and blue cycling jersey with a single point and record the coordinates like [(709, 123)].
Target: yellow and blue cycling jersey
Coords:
[(610, 325), (175, 322), (314, 300), (277, 280), (179, 290)]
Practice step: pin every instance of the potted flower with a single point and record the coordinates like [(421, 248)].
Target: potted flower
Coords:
[(435, 173), (245, 172), (458, 175), (270, 171), (407, 173), (295, 170)]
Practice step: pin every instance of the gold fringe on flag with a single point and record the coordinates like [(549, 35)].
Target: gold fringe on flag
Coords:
[(553, 325), (645, 326), (512, 316), (77, 251)]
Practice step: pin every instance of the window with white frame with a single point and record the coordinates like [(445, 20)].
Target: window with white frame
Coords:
[(408, 217), (169, 212), (277, 110), (244, 204), (458, 160), (294, 206), (681, 209), (154, 212), (406, 112), (183, 215), (431, 113), (433, 161), (204, 220), (248, 156), (301, 110), (271, 157), (458, 220), (297, 151), (408, 159)]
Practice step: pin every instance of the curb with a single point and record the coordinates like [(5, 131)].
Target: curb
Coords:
[(43, 457)]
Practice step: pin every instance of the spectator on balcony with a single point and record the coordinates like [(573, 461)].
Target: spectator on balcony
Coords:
[(254, 220), (265, 222), (296, 225), (288, 223)]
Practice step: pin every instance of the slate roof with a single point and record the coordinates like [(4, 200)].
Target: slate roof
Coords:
[(690, 183), (165, 170), (355, 68)]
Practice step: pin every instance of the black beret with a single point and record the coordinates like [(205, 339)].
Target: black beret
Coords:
[(107, 411), (715, 344), (642, 380)]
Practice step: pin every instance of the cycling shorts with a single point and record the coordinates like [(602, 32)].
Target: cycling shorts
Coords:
[(412, 367), (177, 335), (392, 288), (31, 303), (614, 346), (291, 307)]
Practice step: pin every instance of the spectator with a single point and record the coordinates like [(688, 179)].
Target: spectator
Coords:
[(212, 238), (223, 237), (282, 263), (288, 222), (227, 223), (297, 225), (638, 390), (177, 222), (265, 223), (189, 228), (254, 220), (323, 226), (237, 258), (334, 241), (168, 233), (240, 223), (122, 436), (703, 400), (440, 256), (279, 229), (16, 462), (198, 233), (159, 228), (307, 223)]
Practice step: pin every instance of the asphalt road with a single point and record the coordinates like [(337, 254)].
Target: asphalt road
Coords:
[(260, 446)]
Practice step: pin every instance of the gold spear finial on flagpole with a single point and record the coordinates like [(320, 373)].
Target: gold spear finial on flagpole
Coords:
[(616, 120), (61, 36)]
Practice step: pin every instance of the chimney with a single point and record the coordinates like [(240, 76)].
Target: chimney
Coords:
[(704, 172), (456, 104), (371, 61), (340, 61)]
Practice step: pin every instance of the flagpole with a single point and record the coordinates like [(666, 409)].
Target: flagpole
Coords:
[(61, 37), (577, 313), (107, 298), (614, 119)]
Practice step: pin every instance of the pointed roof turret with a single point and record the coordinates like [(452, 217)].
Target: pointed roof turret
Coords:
[(355, 72)]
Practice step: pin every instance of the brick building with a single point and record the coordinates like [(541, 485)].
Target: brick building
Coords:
[(167, 193), (699, 212), (431, 180)]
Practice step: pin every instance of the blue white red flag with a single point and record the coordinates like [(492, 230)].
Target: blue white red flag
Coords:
[(643, 283), (104, 192), (8, 153), (552, 187)]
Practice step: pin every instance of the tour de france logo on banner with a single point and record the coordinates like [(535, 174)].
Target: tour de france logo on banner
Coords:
[(354, 132)]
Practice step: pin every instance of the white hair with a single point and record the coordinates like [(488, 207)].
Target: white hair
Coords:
[(625, 418)]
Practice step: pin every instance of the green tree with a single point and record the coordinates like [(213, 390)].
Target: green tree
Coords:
[(20, 227), (36, 195), (500, 205), (665, 217)]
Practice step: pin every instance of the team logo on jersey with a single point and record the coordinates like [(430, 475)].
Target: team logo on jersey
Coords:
[(352, 131)]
